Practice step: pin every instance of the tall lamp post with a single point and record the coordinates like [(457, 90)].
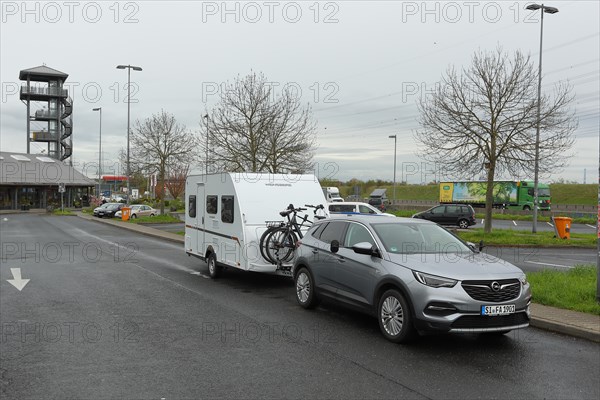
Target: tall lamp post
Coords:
[(549, 10), (129, 68), (395, 140), (99, 153), (206, 149)]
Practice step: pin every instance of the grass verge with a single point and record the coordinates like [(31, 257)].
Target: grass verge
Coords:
[(158, 219), (65, 212), (571, 290), (505, 237)]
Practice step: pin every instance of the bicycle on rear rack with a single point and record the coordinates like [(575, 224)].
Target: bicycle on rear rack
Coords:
[(279, 241)]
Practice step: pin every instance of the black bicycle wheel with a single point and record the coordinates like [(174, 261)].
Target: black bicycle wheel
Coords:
[(280, 245), (263, 243)]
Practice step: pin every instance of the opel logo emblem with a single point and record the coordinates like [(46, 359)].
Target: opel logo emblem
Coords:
[(495, 286)]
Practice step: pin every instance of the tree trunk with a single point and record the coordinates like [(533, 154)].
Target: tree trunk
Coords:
[(489, 199), (162, 189)]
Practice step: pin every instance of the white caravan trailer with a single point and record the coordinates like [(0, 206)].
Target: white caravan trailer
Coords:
[(226, 214)]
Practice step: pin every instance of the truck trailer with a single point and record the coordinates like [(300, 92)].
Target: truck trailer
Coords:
[(514, 195)]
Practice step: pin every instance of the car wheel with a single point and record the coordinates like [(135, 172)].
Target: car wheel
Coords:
[(214, 270), (463, 224), (395, 319), (152, 215), (305, 289), (133, 216)]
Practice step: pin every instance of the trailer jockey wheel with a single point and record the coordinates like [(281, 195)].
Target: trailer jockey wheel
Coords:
[(214, 270)]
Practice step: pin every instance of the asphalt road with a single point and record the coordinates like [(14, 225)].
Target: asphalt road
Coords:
[(112, 314)]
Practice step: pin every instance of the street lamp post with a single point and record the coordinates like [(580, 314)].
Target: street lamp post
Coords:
[(129, 68), (395, 140), (549, 10), (206, 149), (99, 153)]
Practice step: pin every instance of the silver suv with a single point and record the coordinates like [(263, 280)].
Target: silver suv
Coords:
[(413, 275)]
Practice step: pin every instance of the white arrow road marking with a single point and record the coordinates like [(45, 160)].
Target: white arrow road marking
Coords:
[(17, 281)]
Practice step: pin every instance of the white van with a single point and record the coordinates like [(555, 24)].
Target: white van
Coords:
[(226, 214)]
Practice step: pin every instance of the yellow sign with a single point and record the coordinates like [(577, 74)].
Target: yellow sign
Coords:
[(446, 189)]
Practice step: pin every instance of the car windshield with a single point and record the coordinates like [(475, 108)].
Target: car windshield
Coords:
[(407, 238), (113, 207), (543, 192)]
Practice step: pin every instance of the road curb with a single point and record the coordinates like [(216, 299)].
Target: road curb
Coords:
[(565, 329), (137, 228)]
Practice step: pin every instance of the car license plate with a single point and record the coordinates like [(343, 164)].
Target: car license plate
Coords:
[(506, 309)]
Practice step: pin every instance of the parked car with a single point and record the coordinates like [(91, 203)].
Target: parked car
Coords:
[(97, 209), (413, 275), (354, 207), (377, 202), (110, 210), (461, 215), (139, 210)]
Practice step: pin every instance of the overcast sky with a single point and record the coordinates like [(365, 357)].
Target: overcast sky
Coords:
[(359, 64)]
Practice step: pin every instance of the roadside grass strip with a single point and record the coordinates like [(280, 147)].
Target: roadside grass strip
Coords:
[(157, 219), (574, 289), (505, 237)]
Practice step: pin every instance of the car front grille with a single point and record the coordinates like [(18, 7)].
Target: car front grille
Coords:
[(493, 291), (483, 321)]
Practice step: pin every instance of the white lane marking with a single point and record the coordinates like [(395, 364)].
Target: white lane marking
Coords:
[(591, 226), (514, 223), (549, 223), (482, 221), (548, 264)]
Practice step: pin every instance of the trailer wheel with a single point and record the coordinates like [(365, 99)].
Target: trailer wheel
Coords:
[(214, 270)]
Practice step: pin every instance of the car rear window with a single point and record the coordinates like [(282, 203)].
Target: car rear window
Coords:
[(333, 231)]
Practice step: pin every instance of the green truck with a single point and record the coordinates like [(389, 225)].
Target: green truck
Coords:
[(514, 195)]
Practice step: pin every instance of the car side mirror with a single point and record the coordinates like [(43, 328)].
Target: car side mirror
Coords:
[(367, 249), (335, 246), (481, 245)]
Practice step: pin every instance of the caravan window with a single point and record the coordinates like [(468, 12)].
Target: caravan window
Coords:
[(192, 206), (211, 204), (227, 209)]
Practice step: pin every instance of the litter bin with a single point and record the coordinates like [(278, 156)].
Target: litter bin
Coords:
[(125, 213), (562, 226)]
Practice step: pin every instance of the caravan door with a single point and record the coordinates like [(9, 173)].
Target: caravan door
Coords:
[(200, 216)]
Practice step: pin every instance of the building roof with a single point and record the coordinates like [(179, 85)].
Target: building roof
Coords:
[(42, 74), (38, 170)]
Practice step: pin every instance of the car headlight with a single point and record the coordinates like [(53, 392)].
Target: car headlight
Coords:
[(433, 280), (523, 279)]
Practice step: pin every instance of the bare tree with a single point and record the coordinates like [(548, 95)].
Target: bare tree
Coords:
[(484, 120), (160, 142), (254, 129), (176, 181)]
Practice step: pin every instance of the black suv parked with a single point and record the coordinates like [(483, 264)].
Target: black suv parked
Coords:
[(461, 215)]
